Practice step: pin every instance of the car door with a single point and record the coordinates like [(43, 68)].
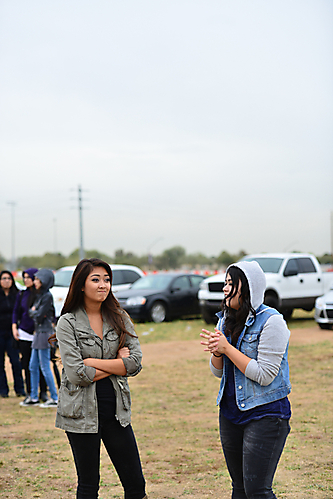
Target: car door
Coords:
[(180, 296), (310, 279)]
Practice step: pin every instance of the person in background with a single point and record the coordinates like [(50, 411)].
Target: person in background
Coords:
[(42, 313), (99, 350), (250, 354), (23, 328), (8, 292)]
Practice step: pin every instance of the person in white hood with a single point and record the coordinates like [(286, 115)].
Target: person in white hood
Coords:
[(249, 352)]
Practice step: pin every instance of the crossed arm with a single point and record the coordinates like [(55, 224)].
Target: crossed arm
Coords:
[(105, 367)]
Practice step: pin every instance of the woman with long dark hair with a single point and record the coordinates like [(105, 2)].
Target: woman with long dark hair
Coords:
[(8, 292), (249, 350), (99, 350)]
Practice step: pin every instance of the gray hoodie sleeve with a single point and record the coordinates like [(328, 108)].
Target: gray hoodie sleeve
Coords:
[(272, 346)]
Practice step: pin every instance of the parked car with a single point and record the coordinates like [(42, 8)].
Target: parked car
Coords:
[(162, 296), (210, 297), (293, 280), (123, 276), (324, 310)]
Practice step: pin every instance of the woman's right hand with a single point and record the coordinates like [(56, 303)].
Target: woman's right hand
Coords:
[(123, 353), (15, 332)]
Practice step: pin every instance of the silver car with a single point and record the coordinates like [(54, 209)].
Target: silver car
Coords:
[(324, 310)]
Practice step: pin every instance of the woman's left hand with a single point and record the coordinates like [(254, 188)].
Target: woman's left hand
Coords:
[(216, 342), (123, 353)]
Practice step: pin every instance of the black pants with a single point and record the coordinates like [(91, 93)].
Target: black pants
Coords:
[(25, 351), (121, 446), (252, 452)]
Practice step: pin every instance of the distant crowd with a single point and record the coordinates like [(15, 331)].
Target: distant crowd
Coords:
[(27, 319)]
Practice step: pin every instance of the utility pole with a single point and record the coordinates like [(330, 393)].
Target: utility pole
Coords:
[(13, 204), (55, 236), (81, 251)]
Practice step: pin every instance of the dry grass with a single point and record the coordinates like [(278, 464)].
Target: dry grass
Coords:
[(175, 421)]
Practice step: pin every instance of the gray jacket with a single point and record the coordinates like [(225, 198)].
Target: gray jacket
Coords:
[(77, 410), (43, 315)]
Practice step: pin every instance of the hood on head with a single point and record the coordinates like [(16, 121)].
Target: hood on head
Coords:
[(46, 277), (31, 272), (257, 281)]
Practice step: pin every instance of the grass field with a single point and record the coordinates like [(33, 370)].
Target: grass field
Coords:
[(176, 424)]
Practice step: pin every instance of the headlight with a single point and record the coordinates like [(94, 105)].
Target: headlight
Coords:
[(320, 303), (136, 300), (204, 285)]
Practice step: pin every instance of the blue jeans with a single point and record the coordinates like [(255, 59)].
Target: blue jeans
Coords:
[(41, 358), (252, 452), (6, 345)]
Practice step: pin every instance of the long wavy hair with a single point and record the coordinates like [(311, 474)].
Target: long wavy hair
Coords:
[(110, 307), (235, 319)]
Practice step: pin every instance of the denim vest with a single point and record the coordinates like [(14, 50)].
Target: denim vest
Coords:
[(249, 393)]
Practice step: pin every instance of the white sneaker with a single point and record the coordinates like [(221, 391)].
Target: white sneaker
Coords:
[(49, 403), (28, 402)]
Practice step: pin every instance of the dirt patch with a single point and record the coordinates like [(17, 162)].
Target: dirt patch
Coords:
[(163, 353)]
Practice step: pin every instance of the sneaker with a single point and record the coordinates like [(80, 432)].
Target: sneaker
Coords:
[(4, 395), (29, 402), (21, 394), (43, 397), (49, 403)]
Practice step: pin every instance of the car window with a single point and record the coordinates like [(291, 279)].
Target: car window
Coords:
[(267, 264), (63, 278), (181, 283), (130, 276), (157, 281), (117, 277), (196, 280), (291, 266), (306, 265)]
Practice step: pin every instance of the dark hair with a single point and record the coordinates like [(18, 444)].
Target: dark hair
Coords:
[(111, 309), (235, 319), (32, 291), (13, 289)]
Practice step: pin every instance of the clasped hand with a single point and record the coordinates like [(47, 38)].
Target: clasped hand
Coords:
[(215, 341)]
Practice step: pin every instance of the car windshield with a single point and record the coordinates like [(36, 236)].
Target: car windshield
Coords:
[(63, 278), (157, 281), (267, 264)]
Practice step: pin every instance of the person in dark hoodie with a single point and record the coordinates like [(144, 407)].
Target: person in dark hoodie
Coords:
[(23, 328), (250, 354), (42, 313), (8, 292)]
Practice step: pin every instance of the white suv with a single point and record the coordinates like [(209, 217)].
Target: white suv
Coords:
[(122, 278), (210, 297)]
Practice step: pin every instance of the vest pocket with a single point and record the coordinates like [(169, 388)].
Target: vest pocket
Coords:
[(70, 403)]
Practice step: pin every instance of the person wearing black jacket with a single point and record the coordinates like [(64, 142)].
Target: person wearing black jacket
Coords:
[(8, 292)]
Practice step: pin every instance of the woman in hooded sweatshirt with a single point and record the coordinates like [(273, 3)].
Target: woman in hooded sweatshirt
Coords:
[(23, 328), (42, 313), (249, 350)]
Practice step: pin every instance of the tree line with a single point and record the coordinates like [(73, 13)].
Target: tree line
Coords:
[(172, 258)]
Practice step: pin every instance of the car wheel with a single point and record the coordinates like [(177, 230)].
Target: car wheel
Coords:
[(209, 318), (271, 301), (158, 312), (287, 313), (325, 326)]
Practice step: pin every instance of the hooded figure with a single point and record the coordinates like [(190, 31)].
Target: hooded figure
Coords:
[(250, 354), (42, 311)]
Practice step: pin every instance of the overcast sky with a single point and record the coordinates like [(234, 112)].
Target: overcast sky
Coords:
[(201, 123)]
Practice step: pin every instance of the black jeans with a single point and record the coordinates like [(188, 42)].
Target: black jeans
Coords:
[(121, 446), (252, 452), (25, 351)]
